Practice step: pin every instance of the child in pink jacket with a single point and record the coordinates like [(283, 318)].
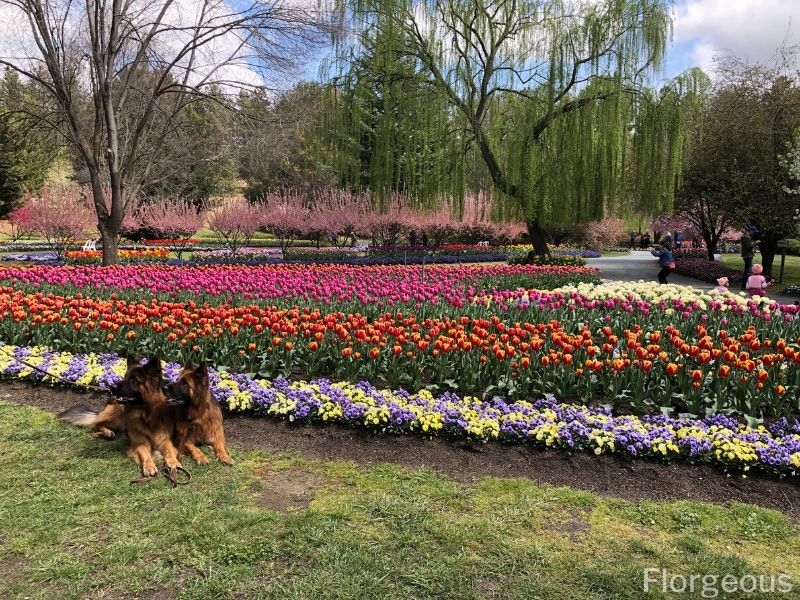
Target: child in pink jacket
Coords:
[(757, 283), (722, 285)]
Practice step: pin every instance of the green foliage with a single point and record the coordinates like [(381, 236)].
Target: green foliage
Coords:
[(738, 159), (392, 131), (74, 528), (790, 162), (281, 141), (203, 157), (25, 155), (545, 105), (552, 259)]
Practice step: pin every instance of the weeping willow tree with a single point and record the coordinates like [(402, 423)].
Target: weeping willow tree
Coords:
[(551, 97)]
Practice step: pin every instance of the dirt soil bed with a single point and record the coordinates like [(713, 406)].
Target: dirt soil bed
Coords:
[(609, 476)]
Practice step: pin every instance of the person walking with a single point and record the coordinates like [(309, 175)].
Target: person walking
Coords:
[(748, 250), (633, 240), (665, 260)]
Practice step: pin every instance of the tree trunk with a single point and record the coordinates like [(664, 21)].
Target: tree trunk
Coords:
[(110, 240), (769, 248), (537, 238), (711, 243)]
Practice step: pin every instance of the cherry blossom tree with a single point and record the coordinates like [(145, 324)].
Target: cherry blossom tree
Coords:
[(439, 225), (344, 212), (174, 219), (18, 224), (60, 215), (385, 228), (318, 225), (236, 222), (285, 216), (601, 235)]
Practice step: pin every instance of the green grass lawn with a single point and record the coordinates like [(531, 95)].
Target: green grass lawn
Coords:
[(71, 526), (791, 272)]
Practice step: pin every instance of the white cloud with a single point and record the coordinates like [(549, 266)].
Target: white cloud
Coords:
[(227, 60), (750, 29)]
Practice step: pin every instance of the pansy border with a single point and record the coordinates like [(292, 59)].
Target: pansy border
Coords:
[(718, 440)]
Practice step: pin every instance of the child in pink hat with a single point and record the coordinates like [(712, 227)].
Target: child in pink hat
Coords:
[(722, 285), (757, 283)]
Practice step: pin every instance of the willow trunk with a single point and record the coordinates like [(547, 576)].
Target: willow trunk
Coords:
[(537, 238)]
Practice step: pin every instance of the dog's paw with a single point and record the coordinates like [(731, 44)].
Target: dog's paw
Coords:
[(150, 470), (201, 459), (106, 434), (173, 464), (226, 460)]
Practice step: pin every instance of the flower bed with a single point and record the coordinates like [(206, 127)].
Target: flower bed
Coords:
[(88, 257), (717, 440), (176, 243), (685, 352), (446, 249), (561, 260), (329, 284), (40, 257), (706, 270), (690, 253), (558, 250)]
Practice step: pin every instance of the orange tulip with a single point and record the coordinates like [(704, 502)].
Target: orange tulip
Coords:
[(672, 369)]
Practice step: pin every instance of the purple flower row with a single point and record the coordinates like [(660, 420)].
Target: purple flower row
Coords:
[(716, 439)]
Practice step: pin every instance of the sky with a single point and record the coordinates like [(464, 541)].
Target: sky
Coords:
[(703, 29), (751, 29)]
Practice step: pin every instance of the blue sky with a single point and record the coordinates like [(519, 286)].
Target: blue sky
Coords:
[(703, 29), (752, 29)]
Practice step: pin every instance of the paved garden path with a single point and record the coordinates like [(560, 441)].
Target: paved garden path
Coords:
[(641, 264)]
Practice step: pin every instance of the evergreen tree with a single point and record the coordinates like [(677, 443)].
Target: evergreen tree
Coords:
[(25, 156)]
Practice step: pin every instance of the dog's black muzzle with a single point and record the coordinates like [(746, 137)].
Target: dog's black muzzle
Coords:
[(124, 395), (172, 400)]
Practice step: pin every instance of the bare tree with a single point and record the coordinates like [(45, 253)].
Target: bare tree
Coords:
[(120, 73)]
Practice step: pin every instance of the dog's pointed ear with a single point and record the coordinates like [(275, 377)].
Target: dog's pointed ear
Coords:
[(201, 372), (131, 359), (153, 366)]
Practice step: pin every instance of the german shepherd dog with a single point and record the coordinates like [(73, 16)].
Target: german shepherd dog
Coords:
[(199, 418), (142, 410)]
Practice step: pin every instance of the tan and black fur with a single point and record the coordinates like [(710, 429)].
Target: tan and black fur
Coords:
[(148, 418), (200, 418)]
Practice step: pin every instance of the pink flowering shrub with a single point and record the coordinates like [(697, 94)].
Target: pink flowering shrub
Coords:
[(174, 219), (343, 214), (60, 215), (601, 235), (285, 216), (19, 223), (236, 222)]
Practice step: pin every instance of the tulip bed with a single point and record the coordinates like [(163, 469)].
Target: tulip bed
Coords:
[(89, 257), (702, 268), (547, 423), (374, 288), (478, 330)]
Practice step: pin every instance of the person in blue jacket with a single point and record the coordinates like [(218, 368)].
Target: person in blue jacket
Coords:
[(665, 260)]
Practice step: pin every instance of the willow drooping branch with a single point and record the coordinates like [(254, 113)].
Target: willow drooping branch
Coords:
[(545, 100)]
